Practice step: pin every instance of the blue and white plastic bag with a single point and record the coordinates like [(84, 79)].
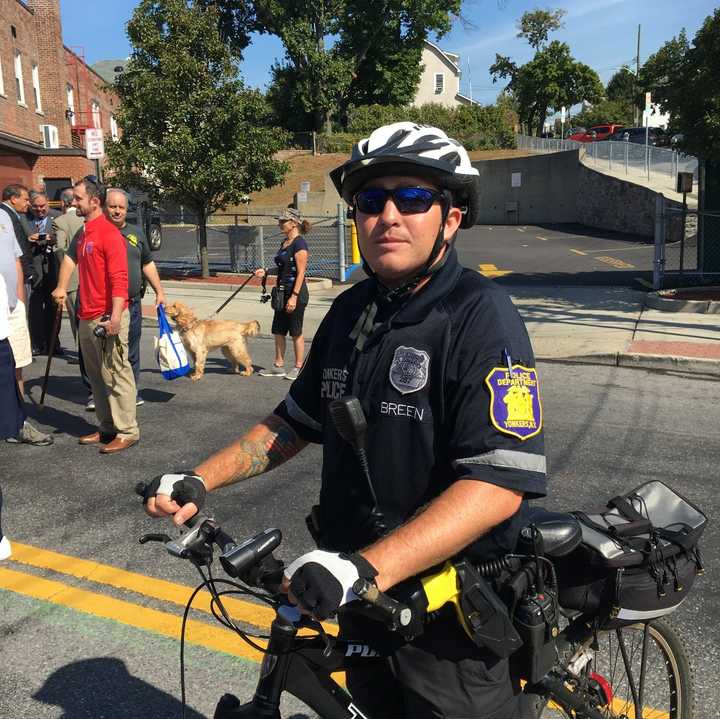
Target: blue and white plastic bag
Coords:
[(169, 349)]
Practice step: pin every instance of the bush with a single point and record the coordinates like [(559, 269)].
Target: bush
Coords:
[(338, 142), (477, 127)]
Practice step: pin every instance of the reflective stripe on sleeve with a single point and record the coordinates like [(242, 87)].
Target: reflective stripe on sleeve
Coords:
[(299, 416), (508, 459)]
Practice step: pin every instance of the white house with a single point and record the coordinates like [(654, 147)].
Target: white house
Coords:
[(440, 79)]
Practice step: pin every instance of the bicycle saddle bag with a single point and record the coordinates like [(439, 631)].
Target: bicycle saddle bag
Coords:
[(638, 559)]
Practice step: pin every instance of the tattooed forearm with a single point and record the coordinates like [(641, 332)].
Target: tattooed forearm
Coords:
[(266, 446)]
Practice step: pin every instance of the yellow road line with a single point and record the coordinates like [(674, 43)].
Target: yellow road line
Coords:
[(619, 249), (492, 271), (577, 252), (540, 237), (520, 229), (133, 615), (619, 264), (258, 615), (160, 589)]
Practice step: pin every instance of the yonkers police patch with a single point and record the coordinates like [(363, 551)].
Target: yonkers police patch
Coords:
[(515, 407), (409, 369)]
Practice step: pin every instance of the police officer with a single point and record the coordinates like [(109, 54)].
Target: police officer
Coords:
[(443, 367)]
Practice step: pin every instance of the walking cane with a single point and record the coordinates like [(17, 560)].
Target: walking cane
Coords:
[(51, 350)]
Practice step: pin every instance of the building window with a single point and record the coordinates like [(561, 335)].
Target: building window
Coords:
[(36, 88), (113, 127), (439, 83), (19, 85), (97, 120), (70, 112)]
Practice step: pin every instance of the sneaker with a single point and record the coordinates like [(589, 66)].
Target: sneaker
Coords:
[(90, 406), (273, 371), (31, 435), (5, 548), (293, 373), (139, 400)]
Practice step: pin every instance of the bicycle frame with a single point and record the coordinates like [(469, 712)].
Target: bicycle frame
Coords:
[(303, 667)]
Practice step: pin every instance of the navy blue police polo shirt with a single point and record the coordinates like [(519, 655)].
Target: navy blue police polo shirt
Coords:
[(449, 389)]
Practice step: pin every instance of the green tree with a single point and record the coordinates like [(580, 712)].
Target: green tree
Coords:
[(619, 112), (344, 52), (190, 131), (536, 25), (683, 79), (553, 78), (622, 86)]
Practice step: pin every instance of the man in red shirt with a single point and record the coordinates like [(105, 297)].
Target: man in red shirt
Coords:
[(100, 255)]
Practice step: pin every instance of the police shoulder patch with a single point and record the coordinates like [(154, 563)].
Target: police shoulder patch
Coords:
[(132, 239), (409, 369), (515, 407)]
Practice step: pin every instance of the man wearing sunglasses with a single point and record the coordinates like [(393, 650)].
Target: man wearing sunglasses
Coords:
[(443, 368)]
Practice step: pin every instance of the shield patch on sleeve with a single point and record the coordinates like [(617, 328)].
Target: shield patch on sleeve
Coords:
[(515, 407)]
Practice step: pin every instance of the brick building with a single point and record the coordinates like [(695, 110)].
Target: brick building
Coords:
[(48, 98)]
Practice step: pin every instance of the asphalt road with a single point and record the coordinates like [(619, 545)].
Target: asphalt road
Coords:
[(83, 641), (514, 255)]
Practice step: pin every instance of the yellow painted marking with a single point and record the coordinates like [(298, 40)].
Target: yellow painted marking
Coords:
[(492, 271), (152, 620), (258, 615), (540, 237), (619, 249), (577, 252), (644, 282), (520, 229), (619, 264)]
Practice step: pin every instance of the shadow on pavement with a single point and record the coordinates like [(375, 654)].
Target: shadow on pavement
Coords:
[(103, 687)]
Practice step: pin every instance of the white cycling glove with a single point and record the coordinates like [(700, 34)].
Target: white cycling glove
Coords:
[(322, 582)]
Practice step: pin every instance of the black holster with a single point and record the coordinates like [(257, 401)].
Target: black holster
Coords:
[(486, 616)]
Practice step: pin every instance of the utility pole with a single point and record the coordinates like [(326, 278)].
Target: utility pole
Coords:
[(637, 79)]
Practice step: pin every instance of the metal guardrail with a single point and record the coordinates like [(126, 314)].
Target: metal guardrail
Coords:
[(629, 158)]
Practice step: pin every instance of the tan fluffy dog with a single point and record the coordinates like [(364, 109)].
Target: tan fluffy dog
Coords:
[(201, 336)]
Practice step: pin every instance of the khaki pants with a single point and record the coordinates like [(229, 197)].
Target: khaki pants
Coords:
[(110, 374)]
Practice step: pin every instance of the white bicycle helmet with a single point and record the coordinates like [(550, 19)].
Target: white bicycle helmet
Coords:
[(405, 148)]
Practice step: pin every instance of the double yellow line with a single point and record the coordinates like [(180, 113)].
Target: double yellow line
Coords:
[(133, 614)]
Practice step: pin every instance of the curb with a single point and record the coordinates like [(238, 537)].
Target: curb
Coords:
[(636, 360), (667, 304)]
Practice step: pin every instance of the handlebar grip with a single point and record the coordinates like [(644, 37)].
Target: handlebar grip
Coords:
[(393, 610)]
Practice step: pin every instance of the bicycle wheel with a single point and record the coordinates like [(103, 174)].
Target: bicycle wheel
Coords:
[(607, 678)]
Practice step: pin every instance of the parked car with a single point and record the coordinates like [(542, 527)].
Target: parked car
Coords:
[(656, 136), (596, 133), (574, 131), (143, 213)]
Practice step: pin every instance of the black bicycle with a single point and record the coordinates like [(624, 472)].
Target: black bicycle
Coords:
[(639, 670), (576, 609)]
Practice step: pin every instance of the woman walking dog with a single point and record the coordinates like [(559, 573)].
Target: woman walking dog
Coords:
[(290, 296)]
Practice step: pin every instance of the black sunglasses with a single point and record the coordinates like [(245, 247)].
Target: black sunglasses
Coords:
[(408, 200)]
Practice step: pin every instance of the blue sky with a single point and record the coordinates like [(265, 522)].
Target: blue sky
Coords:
[(601, 33)]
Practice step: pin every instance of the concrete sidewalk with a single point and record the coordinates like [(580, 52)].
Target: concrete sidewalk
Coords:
[(596, 325)]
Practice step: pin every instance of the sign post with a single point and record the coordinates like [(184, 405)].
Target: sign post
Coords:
[(646, 117), (562, 122)]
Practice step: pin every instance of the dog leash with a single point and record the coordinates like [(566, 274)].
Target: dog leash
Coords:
[(228, 300)]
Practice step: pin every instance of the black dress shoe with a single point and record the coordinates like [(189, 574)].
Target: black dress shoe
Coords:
[(59, 352)]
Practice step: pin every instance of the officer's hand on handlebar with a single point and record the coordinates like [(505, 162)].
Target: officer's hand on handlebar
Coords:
[(179, 495), (322, 582)]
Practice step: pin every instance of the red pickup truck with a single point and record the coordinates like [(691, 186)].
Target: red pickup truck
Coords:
[(597, 132)]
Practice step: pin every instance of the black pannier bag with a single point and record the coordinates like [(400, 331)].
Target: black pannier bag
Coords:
[(638, 559)]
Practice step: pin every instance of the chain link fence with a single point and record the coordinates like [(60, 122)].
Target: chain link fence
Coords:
[(639, 162), (242, 242), (687, 246)]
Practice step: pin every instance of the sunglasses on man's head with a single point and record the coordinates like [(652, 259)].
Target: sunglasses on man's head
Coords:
[(408, 200)]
